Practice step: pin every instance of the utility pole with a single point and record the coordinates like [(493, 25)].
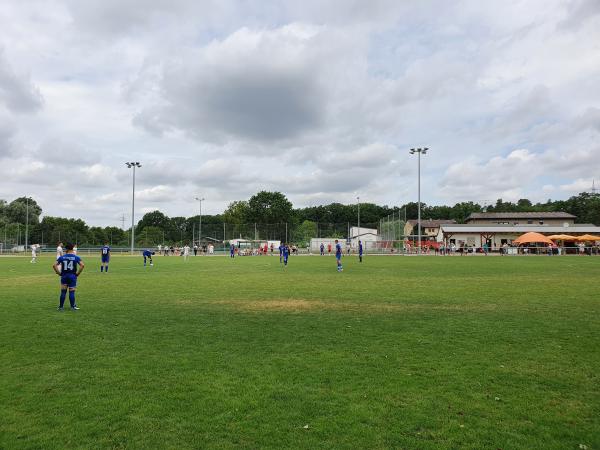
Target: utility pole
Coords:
[(358, 202), (26, 223), (200, 199), (133, 165), (419, 151)]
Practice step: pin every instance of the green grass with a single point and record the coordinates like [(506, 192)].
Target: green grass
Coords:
[(399, 352)]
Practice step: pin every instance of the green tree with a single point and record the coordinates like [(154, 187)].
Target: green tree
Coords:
[(153, 219), (17, 212), (270, 207), (305, 232), (237, 212)]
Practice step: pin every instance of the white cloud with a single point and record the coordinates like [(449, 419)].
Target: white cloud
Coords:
[(318, 100)]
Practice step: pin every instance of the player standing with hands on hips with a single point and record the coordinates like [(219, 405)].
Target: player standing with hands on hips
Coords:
[(71, 267)]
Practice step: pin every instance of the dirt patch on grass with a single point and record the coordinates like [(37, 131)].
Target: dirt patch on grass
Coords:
[(302, 305)]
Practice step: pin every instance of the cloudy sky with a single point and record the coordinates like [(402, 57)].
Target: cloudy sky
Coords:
[(318, 99)]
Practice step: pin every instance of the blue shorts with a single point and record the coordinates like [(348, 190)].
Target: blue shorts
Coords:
[(70, 279), (105, 258), (338, 257)]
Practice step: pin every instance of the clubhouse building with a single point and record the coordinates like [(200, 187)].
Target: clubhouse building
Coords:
[(496, 229)]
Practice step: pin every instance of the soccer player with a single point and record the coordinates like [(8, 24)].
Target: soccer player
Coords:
[(186, 252), (285, 253), (360, 251), (322, 248), (147, 254), (338, 255), (232, 251), (34, 249), (71, 267), (104, 257), (59, 250), (281, 246)]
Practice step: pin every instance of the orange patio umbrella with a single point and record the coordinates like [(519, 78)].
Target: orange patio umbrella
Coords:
[(588, 238), (532, 237), (562, 237)]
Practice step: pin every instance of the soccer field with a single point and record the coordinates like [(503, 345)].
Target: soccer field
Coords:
[(396, 352)]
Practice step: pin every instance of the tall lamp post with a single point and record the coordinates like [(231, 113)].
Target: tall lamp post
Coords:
[(133, 165), (419, 152), (358, 203), (26, 223), (200, 200)]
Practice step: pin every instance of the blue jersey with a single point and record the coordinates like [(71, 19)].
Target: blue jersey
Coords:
[(147, 253), (338, 249), (281, 247), (360, 249), (285, 250), (105, 251), (68, 263)]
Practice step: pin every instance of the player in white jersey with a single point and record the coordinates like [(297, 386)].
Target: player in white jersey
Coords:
[(59, 250), (186, 252), (34, 249)]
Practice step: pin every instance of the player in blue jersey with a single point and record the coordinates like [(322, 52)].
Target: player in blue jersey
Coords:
[(147, 254), (285, 252), (232, 251), (105, 257), (338, 255), (360, 251), (68, 267), (281, 246), (322, 249)]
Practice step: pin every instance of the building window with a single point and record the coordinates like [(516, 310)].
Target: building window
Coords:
[(530, 222)]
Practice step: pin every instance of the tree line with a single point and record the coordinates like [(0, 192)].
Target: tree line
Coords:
[(266, 215)]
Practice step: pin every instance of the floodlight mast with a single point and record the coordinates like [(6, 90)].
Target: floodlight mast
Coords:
[(133, 165), (200, 200), (419, 152), (358, 204)]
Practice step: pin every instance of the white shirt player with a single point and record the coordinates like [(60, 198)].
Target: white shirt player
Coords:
[(186, 251), (34, 249), (75, 250), (59, 251)]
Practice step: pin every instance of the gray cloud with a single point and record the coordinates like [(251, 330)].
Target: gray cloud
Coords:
[(56, 150), (17, 92), (7, 133), (260, 86)]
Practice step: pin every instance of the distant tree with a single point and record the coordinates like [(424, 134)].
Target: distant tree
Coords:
[(153, 219), (462, 210), (116, 236), (270, 207), (16, 211), (237, 212), (304, 233), (524, 204)]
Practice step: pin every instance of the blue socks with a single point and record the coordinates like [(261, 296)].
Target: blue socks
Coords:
[(71, 298), (63, 295)]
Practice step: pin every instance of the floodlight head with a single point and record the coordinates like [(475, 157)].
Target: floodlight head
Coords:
[(424, 151), (128, 165), (412, 151), (138, 164)]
